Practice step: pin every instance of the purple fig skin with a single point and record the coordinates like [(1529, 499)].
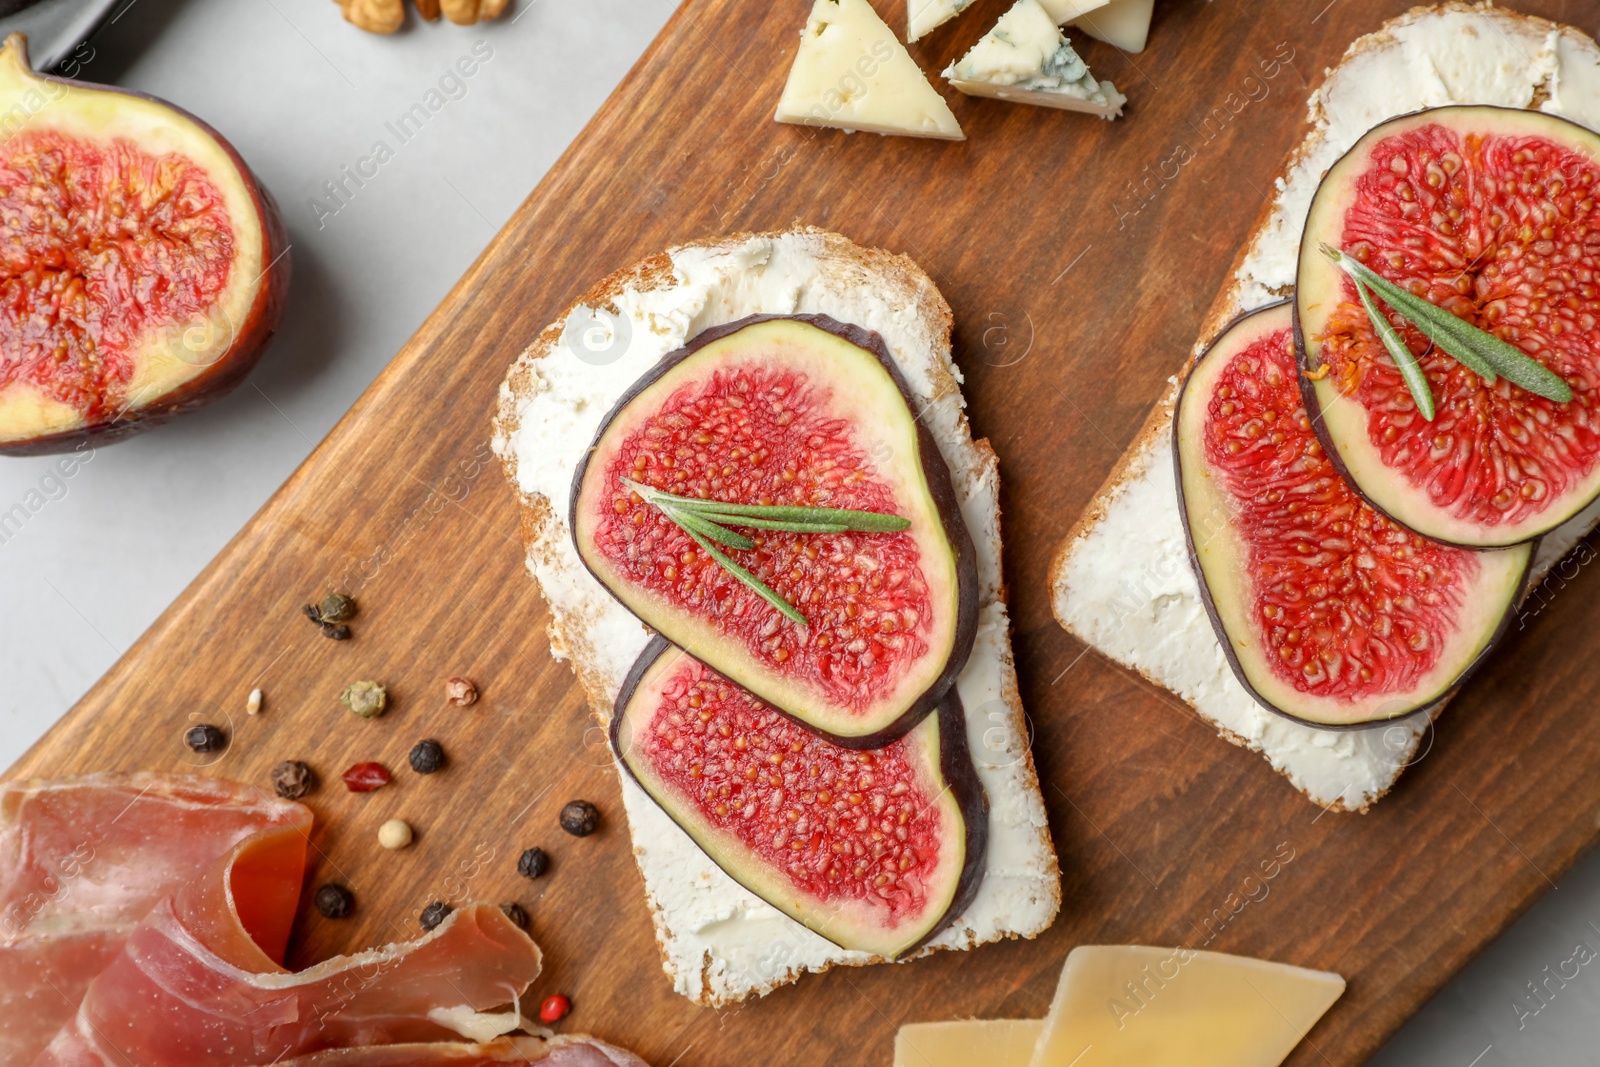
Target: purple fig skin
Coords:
[(940, 489), (955, 767), (1224, 640), (251, 338)]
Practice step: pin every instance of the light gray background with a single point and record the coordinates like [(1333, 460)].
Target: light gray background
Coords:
[(302, 94)]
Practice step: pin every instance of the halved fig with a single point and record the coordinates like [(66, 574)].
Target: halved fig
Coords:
[(1329, 613), (142, 266), (876, 851), (802, 411), (1489, 213)]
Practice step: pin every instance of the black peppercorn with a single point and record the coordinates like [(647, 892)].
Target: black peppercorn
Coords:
[(427, 756), (205, 738), (334, 901), (340, 632), (533, 863), (312, 613), (292, 779), (580, 818), (515, 913), (434, 914)]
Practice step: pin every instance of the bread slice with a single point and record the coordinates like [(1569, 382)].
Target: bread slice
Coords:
[(1121, 580), (719, 943)]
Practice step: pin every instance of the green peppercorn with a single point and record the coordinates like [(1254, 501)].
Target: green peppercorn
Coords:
[(580, 818), (334, 901), (336, 607), (427, 756), (434, 914), (205, 738), (533, 863), (367, 699)]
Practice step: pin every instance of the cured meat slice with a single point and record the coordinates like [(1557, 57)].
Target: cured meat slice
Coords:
[(568, 1050), (199, 982), (82, 860)]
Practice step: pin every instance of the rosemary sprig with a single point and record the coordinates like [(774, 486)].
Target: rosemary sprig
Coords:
[(1416, 381), (1476, 349), (705, 521), (695, 524), (771, 524), (761, 588), (866, 522)]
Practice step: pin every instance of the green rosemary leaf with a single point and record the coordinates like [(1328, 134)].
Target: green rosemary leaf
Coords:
[(1478, 349), (771, 524), (749, 579), (862, 521), (1416, 381), (695, 524), (1428, 318)]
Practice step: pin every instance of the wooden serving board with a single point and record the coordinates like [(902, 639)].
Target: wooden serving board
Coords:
[(1079, 257)]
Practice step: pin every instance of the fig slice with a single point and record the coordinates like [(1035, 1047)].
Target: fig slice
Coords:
[(1329, 613), (804, 411), (142, 266), (1489, 213), (877, 851)]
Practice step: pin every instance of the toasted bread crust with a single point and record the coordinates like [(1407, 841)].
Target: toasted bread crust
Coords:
[(541, 526)]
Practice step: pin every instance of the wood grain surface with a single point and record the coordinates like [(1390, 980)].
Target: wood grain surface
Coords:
[(1075, 299)]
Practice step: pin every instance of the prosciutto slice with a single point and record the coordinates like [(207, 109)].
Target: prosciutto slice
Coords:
[(568, 1050), (198, 983), (82, 860)]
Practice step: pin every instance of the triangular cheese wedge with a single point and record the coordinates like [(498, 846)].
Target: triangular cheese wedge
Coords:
[(1064, 11), (1026, 59), (1134, 1006), (967, 1043), (852, 73), (924, 16), (1124, 23)]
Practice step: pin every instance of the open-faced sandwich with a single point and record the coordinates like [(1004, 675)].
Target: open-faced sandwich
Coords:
[(771, 550), (1387, 432)]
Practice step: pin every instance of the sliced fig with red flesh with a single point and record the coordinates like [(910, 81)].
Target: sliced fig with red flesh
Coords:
[(142, 267), (802, 411), (1489, 213), (877, 851), (1329, 613)]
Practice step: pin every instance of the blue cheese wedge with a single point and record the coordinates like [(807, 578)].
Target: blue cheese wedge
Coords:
[(1064, 11), (852, 73), (1025, 58), (1123, 23), (925, 16)]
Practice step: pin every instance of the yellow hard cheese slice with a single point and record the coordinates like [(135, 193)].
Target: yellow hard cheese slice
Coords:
[(967, 1043), (1124, 23), (852, 73), (1133, 1006)]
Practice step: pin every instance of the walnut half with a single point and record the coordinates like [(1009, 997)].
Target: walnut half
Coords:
[(375, 16), (387, 16), (466, 12)]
